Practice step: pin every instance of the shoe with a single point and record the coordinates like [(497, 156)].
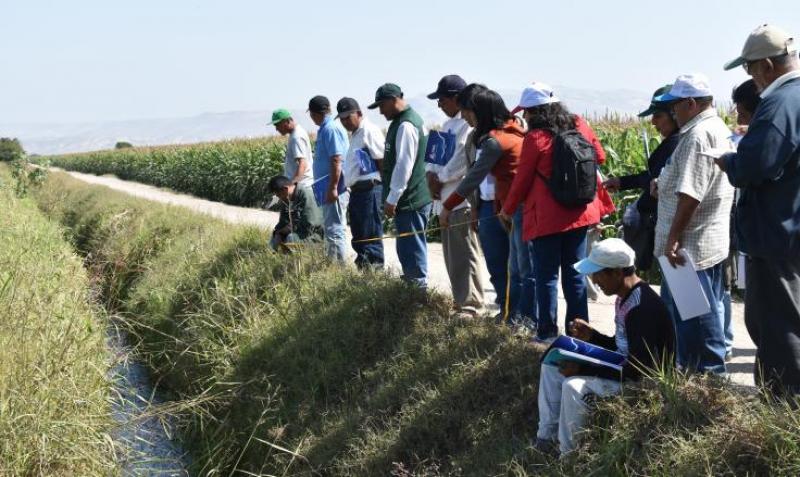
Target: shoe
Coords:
[(544, 340), (729, 356), (547, 447), (464, 315)]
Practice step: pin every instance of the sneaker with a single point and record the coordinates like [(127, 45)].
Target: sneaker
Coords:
[(729, 356), (547, 447)]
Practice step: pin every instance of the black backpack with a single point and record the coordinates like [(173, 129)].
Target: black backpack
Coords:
[(573, 182)]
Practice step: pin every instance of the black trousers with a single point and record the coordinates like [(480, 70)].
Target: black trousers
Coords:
[(772, 317)]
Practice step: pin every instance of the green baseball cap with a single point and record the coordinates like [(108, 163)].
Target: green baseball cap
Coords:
[(656, 106), (387, 91), (279, 115)]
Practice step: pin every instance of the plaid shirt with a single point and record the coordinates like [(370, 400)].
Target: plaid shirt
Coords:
[(707, 236)]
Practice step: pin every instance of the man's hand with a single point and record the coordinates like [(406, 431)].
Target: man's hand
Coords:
[(671, 252), (612, 184), (506, 220), (434, 185), (654, 188), (581, 329), (389, 209), (569, 368), (444, 218), (331, 196)]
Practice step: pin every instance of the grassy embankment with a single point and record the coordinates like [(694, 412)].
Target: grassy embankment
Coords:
[(54, 411), (296, 367)]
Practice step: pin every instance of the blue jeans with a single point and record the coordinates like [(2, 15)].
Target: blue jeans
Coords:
[(700, 341), (496, 247), (522, 265), (412, 251), (553, 253), (727, 322), (334, 221), (366, 222)]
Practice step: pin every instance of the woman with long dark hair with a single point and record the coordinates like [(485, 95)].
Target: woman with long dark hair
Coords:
[(497, 140), (557, 232)]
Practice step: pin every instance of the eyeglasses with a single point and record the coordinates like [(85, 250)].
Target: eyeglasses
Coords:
[(748, 65)]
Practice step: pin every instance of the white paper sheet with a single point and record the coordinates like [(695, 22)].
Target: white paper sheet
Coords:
[(740, 270), (684, 285)]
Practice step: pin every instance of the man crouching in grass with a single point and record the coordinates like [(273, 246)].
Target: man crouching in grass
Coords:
[(300, 219), (644, 333)]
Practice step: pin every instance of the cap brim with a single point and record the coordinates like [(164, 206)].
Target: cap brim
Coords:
[(734, 63), (434, 95), (346, 113), (666, 98), (647, 112), (375, 104), (587, 267)]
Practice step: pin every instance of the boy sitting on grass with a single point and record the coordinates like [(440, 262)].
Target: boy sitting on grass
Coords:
[(301, 218), (644, 333)]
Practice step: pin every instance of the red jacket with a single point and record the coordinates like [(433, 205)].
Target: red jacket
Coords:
[(542, 214)]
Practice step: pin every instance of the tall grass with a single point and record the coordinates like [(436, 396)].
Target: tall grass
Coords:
[(53, 388)]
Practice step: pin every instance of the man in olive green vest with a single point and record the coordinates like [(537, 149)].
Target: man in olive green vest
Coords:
[(407, 197)]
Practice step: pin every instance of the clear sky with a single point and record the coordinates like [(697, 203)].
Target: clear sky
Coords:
[(86, 60)]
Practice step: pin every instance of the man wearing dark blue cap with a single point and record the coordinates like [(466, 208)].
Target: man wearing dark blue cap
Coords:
[(331, 147), (405, 192), (459, 239)]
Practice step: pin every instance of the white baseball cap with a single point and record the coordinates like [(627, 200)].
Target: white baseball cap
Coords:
[(765, 41), (535, 94), (693, 85), (609, 253)]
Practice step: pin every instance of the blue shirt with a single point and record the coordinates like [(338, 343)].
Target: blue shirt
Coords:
[(331, 141), (766, 167)]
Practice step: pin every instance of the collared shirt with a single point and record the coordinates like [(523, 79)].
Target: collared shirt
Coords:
[(779, 82), (406, 145), (369, 139), (331, 141), (707, 236), (299, 147), (450, 174), (487, 188)]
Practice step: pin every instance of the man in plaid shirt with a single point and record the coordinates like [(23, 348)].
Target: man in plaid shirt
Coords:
[(694, 203)]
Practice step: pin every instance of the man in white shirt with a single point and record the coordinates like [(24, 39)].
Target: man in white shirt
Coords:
[(297, 164), (407, 198), (459, 239), (362, 166)]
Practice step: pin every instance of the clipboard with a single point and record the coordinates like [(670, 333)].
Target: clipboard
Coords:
[(684, 285)]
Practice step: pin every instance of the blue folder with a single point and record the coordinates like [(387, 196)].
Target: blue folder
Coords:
[(320, 188), (566, 348), (441, 147), (366, 165)]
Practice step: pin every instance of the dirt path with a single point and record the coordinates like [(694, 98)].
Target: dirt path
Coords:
[(601, 311)]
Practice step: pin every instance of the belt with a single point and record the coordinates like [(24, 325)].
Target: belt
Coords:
[(368, 184)]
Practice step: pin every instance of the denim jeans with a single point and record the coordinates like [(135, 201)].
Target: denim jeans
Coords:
[(553, 253), (727, 320), (496, 247), (700, 344), (522, 264), (412, 251), (334, 222), (366, 222)]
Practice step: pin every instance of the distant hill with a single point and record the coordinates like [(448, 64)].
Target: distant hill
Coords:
[(56, 138)]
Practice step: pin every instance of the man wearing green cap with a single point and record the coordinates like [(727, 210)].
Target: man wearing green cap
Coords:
[(766, 169), (407, 197), (298, 160), (642, 238)]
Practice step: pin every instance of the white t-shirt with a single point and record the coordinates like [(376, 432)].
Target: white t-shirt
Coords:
[(299, 146), (450, 175), (367, 139)]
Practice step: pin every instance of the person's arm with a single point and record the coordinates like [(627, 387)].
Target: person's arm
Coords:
[(406, 146), (375, 142), (526, 171), (340, 146), (760, 157), (302, 167), (490, 153), (635, 181), (683, 215)]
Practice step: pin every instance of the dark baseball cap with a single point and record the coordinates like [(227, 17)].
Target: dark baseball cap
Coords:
[(347, 106), (450, 85), (657, 106), (319, 104), (386, 91)]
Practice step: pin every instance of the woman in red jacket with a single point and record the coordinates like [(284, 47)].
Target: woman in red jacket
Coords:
[(557, 232)]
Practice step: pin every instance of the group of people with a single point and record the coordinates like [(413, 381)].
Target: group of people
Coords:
[(525, 191)]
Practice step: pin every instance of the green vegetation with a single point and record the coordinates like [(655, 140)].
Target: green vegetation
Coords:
[(10, 149), (235, 172), (122, 145), (298, 367), (53, 387)]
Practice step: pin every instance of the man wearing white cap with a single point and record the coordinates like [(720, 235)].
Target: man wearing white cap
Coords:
[(694, 204), (644, 333), (766, 168)]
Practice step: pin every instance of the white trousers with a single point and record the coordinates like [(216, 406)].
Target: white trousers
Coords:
[(563, 404)]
